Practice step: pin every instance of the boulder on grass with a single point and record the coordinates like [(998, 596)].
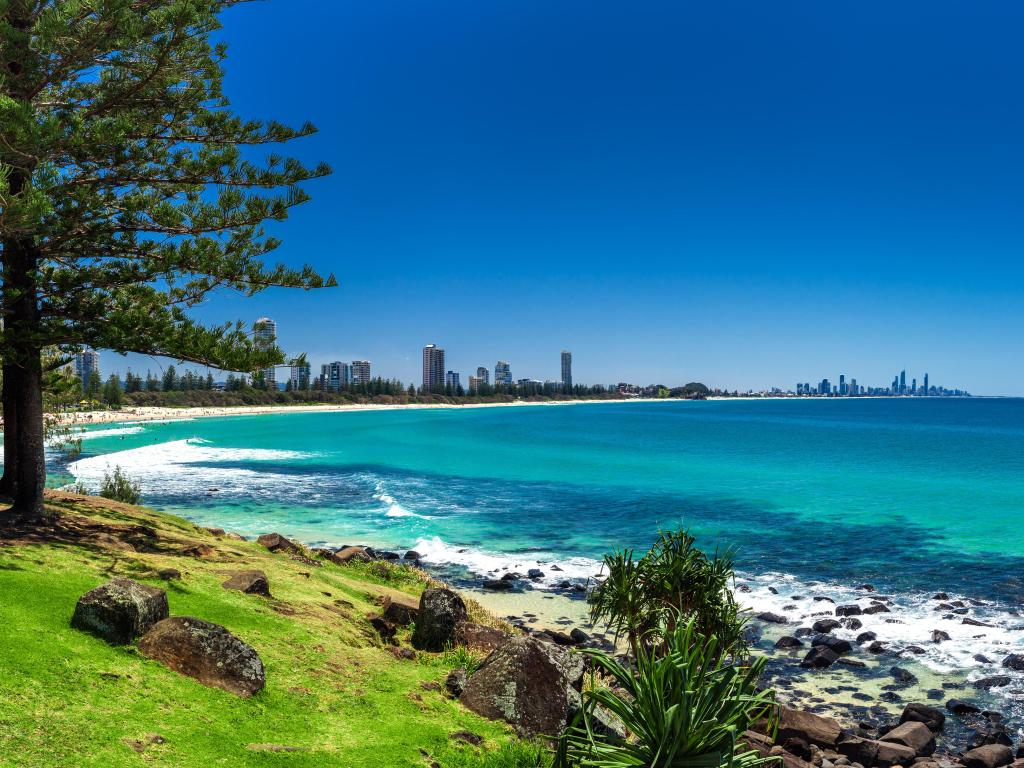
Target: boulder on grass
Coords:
[(533, 686), (120, 610), (988, 756), (250, 582), (915, 735), (477, 637), (275, 542), (206, 652), (351, 555), (440, 610), (399, 610)]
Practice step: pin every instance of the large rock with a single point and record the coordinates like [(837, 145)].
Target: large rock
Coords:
[(820, 656), (878, 753), (400, 610), (917, 736), (889, 753), (206, 652), (351, 555), (824, 626), (531, 685), (275, 542), (250, 582), (440, 610), (933, 718), (988, 756), (1014, 661), (120, 610), (836, 644), (477, 637), (814, 729)]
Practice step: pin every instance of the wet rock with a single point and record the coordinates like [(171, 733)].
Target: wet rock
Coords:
[(531, 685), (852, 623), (788, 641), (848, 662), (477, 637), (995, 735), (975, 623), (439, 612), (876, 608), (825, 625), (275, 542), (902, 676), (877, 647), (803, 632), (120, 610), (866, 588), (940, 596), (938, 636), (932, 718), (772, 618), (535, 573), (988, 756), (207, 652), (250, 582), (820, 656), (958, 707), (891, 696), (866, 637), (849, 610), (914, 649), (498, 585), (982, 659), (1014, 661), (838, 645), (412, 554), (916, 736), (822, 599), (813, 729), (995, 681)]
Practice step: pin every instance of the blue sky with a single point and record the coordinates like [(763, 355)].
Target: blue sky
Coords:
[(745, 194)]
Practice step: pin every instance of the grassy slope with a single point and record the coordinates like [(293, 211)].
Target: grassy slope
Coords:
[(67, 698)]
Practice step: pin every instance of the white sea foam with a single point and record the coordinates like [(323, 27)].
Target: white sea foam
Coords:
[(434, 551), (111, 432), (394, 509)]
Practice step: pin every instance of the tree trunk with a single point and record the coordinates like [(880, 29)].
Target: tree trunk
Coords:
[(30, 475), (10, 384)]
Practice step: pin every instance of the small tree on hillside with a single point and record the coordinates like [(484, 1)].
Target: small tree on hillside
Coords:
[(126, 196)]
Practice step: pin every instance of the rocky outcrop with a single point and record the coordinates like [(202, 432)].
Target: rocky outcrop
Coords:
[(250, 582), (811, 728), (399, 610), (120, 610), (206, 652), (275, 542), (988, 756), (351, 555), (477, 637), (916, 736), (439, 612), (531, 685), (932, 718)]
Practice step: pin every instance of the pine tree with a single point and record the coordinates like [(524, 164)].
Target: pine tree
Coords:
[(126, 197)]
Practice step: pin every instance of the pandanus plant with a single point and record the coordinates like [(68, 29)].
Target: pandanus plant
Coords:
[(682, 705)]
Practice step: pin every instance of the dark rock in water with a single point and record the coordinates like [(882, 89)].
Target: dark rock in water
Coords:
[(206, 652), (932, 718), (891, 696), (825, 625), (995, 681), (866, 588), (535, 573), (938, 636), (866, 637), (935, 694), (877, 647), (1014, 661), (876, 608), (914, 649), (902, 676), (412, 554), (958, 707), (531, 685), (917, 736), (803, 632), (861, 697), (751, 634), (120, 610), (822, 599), (836, 644), (555, 568), (940, 596), (820, 656), (988, 756), (385, 555), (773, 590), (498, 585), (983, 736), (440, 610), (477, 637), (855, 663), (788, 641), (976, 623), (250, 582), (579, 637), (275, 542), (772, 618), (983, 659), (852, 623), (812, 729), (849, 610), (455, 683), (511, 577)]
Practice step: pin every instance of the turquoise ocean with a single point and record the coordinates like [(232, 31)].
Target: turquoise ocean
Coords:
[(914, 496)]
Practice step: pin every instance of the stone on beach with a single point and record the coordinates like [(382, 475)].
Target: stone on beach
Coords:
[(120, 610)]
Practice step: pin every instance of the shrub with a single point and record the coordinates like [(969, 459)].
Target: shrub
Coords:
[(682, 706), (119, 487)]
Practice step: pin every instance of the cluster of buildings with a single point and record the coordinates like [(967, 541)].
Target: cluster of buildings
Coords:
[(898, 388), (437, 377)]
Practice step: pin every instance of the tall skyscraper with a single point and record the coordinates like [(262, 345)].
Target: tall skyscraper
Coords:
[(484, 375), (265, 337), (86, 361), (433, 367), (360, 371), (502, 374), (451, 379), (334, 376), (842, 384), (298, 376), (566, 371), (925, 392), (903, 382)]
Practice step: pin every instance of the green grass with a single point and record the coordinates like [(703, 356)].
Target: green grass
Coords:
[(333, 691)]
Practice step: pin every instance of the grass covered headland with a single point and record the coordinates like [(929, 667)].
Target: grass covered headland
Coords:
[(336, 694)]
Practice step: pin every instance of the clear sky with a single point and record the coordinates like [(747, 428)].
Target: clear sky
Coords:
[(745, 194)]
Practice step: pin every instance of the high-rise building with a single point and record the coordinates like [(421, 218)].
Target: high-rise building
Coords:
[(298, 376), (360, 371), (484, 375), (451, 379), (854, 390), (86, 362), (265, 336), (842, 384), (913, 386), (903, 382), (334, 376), (433, 367), (566, 370), (502, 374), (925, 392)]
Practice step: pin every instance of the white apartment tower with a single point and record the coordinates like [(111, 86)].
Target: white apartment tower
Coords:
[(265, 336), (433, 367)]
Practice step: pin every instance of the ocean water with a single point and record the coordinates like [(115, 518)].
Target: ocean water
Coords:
[(913, 496)]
